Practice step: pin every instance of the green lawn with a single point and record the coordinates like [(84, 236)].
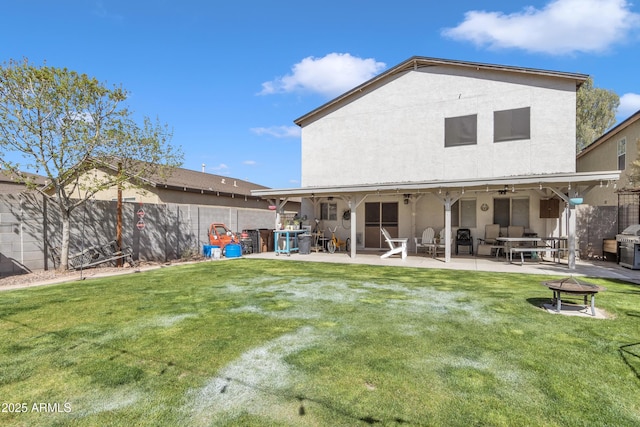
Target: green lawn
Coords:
[(258, 342)]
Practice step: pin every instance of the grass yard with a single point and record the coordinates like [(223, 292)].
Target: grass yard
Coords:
[(270, 343)]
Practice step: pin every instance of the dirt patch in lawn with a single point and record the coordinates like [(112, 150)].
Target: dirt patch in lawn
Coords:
[(51, 277)]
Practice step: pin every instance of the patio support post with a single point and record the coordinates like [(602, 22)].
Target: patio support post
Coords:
[(447, 201), (571, 228), (352, 207), (414, 201), (572, 236), (447, 228)]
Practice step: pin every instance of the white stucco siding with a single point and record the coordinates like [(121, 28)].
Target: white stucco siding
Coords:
[(396, 132)]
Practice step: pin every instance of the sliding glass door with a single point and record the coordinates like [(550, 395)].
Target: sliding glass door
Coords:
[(377, 215)]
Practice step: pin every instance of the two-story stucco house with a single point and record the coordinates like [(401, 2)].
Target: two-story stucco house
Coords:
[(444, 144)]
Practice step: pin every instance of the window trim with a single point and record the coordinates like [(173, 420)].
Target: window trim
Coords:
[(457, 213), (328, 211), (622, 153)]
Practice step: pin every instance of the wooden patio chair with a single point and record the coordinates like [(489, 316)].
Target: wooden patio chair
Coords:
[(442, 244), (396, 245), (427, 239)]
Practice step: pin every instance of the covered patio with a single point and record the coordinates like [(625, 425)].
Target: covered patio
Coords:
[(411, 197), (585, 268)]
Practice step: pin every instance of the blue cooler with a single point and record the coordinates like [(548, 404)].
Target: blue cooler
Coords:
[(233, 250), (207, 250)]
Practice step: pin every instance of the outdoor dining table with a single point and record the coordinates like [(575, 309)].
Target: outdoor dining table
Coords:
[(514, 242), (510, 242), (558, 244)]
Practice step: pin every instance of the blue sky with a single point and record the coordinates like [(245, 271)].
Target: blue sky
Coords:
[(229, 77)]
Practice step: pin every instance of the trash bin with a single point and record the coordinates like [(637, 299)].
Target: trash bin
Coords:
[(233, 250), (216, 252), (304, 244), (207, 250)]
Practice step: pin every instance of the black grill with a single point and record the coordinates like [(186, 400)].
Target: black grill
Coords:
[(629, 247)]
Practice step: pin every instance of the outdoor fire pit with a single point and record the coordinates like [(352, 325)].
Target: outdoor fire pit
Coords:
[(576, 287)]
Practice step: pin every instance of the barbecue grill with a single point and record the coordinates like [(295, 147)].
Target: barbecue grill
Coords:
[(629, 247)]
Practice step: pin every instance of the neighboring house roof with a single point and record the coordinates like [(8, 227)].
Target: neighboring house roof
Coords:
[(417, 62), (189, 180), (614, 130), (7, 178), (193, 181)]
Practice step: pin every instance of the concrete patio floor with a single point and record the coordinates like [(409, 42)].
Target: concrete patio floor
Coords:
[(600, 269)]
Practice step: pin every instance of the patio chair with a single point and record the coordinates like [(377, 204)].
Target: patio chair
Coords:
[(427, 239), (441, 246), (515, 231), (396, 245), (487, 244), (463, 238)]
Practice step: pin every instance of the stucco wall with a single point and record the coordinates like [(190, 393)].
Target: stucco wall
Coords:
[(396, 132), (605, 157), (429, 212)]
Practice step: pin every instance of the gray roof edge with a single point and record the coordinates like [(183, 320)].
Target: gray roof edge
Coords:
[(619, 127), (417, 61), (402, 187)]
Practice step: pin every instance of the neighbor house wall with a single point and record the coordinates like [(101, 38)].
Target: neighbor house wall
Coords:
[(397, 129), (604, 208), (604, 156)]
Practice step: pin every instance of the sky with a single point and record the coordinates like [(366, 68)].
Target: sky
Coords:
[(230, 77)]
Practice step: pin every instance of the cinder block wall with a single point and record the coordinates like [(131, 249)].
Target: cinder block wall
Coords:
[(27, 240)]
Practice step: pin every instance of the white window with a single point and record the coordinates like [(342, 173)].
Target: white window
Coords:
[(622, 153), (328, 211), (463, 213), (510, 125), (461, 130), (508, 212)]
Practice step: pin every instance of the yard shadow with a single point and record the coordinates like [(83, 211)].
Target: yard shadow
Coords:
[(11, 266), (630, 354), (304, 410), (538, 302)]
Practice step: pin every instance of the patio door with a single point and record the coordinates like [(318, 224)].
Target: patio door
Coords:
[(377, 215)]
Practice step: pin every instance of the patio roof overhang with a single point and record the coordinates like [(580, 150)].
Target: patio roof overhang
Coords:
[(523, 182)]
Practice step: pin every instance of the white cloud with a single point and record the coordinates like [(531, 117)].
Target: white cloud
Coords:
[(278, 131), (250, 162), (629, 104), (329, 76), (220, 167), (561, 27)]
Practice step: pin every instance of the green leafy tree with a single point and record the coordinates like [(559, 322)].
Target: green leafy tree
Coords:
[(64, 124), (596, 112)]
